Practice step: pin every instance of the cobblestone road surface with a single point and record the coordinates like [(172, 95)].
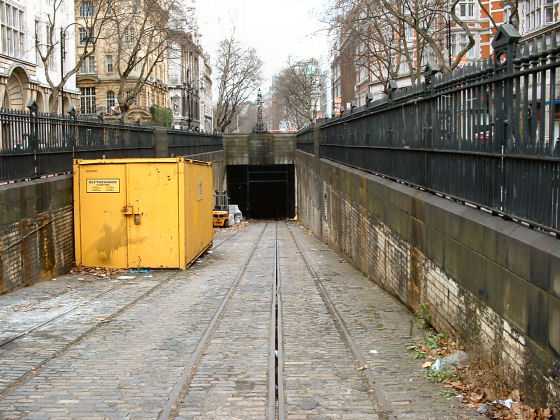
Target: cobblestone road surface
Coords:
[(204, 344)]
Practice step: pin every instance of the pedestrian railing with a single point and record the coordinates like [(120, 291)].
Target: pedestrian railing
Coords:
[(34, 144), (487, 133)]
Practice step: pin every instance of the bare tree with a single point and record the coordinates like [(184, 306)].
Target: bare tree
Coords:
[(94, 16), (298, 90), (140, 33), (398, 38), (239, 74)]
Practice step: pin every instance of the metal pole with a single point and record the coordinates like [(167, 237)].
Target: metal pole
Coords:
[(62, 69), (448, 21)]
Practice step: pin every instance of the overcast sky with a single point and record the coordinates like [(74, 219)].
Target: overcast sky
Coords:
[(277, 29)]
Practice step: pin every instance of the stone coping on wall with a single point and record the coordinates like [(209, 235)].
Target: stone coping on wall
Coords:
[(512, 270)]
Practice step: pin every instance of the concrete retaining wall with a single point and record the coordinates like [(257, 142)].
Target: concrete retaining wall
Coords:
[(259, 149), (493, 284), (36, 231), (37, 227)]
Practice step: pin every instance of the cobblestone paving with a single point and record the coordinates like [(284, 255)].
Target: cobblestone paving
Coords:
[(320, 376), (232, 380), (127, 367), (124, 354), (381, 326)]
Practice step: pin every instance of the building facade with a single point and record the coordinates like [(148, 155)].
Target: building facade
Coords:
[(184, 83), (353, 83), (190, 77), (22, 73), (101, 76)]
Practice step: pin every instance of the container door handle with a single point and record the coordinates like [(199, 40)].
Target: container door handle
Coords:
[(127, 210)]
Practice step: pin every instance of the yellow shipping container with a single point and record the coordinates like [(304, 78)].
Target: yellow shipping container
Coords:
[(132, 213)]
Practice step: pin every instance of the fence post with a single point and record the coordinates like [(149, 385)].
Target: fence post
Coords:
[(430, 71), (72, 135), (34, 122), (161, 142), (504, 45)]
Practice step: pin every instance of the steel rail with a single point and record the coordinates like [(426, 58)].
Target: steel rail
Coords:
[(276, 404), (382, 406), (37, 369), (180, 389)]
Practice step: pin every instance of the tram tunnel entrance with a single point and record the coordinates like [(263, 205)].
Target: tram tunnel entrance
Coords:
[(262, 191)]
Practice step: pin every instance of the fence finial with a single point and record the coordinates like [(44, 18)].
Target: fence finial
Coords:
[(33, 107), (392, 86), (430, 70), (504, 45)]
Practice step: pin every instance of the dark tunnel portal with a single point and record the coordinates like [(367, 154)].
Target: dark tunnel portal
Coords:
[(262, 191)]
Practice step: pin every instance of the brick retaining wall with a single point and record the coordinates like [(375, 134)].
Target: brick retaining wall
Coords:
[(493, 284)]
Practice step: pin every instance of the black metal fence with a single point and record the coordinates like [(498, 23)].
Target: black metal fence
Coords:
[(34, 144), (186, 143), (305, 140), (487, 134)]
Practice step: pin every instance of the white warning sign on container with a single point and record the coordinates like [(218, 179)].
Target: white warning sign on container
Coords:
[(103, 185)]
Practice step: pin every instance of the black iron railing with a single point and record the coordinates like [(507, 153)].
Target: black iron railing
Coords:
[(305, 140), (34, 144), (187, 142), (486, 134)]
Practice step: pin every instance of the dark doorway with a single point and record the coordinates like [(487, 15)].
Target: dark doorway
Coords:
[(262, 191)]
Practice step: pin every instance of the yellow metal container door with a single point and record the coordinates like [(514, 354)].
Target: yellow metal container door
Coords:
[(103, 228), (199, 203), (153, 225)]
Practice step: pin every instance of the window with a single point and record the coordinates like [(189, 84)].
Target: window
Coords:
[(129, 35), (466, 9), (37, 42), (87, 100), (12, 25), (50, 44), (86, 9), (111, 101), (109, 60), (88, 66), (83, 34), (539, 13), (128, 95), (91, 65)]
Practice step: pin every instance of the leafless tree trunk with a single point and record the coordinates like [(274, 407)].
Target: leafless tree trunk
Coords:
[(298, 90), (141, 33), (397, 38), (49, 49), (239, 74)]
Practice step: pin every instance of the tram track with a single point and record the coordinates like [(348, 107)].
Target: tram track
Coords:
[(276, 401), (181, 387), (59, 316), (377, 397), (28, 331), (85, 334), (38, 368)]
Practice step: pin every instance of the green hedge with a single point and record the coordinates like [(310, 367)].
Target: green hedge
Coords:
[(162, 115)]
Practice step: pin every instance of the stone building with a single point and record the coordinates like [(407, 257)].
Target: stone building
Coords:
[(22, 74), (190, 83), (206, 109), (99, 80), (184, 82)]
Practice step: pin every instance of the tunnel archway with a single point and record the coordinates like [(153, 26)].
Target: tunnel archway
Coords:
[(262, 191)]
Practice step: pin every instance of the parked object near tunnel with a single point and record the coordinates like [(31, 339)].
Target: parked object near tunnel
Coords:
[(153, 213)]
